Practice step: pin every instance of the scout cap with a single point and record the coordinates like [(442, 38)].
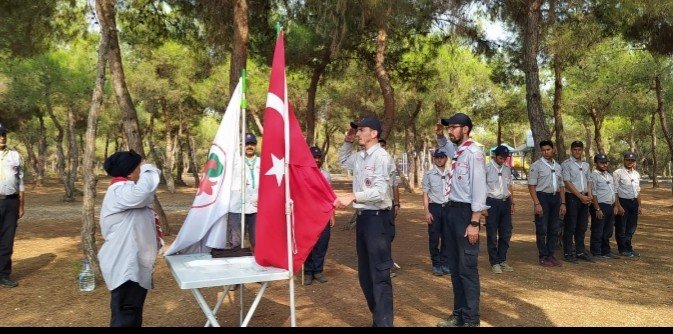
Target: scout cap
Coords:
[(459, 118), (250, 138), (3, 129), (439, 154), (316, 152), (600, 157), (629, 156), (501, 151), (368, 122)]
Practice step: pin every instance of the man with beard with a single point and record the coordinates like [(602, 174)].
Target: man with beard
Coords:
[(466, 191), (627, 183), (11, 205), (237, 205)]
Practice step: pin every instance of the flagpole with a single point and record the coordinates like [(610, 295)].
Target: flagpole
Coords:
[(288, 200), (244, 106)]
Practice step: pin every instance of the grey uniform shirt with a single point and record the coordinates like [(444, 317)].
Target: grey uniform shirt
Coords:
[(468, 180), (541, 176), (371, 176), (498, 178), (627, 183), (433, 185), (577, 172), (327, 175), (11, 172), (603, 187)]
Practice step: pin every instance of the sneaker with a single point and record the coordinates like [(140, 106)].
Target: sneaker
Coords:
[(446, 270), (554, 261), (570, 258), (437, 271), (8, 283), (636, 254), (496, 268), (308, 279), (585, 257), (545, 262), (320, 277), (611, 255), (452, 321), (471, 324), (506, 267)]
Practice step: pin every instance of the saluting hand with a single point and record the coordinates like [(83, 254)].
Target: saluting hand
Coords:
[(439, 129)]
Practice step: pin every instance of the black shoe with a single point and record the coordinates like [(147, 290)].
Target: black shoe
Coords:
[(8, 283), (636, 254), (570, 258), (611, 255), (308, 279), (471, 324), (320, 277), (585, 257), (452, 321), (626, 254)]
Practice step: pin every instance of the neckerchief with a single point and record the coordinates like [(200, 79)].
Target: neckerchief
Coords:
[(459, 151), (553, 171)]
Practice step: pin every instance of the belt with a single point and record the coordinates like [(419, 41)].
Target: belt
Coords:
[(584, 193), (546, 193), (459, 204), (12, 196), (627, 199), (372, 212), (504, 199), (441, 204)]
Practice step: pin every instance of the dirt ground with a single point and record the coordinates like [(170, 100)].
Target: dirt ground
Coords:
[(623, 292)]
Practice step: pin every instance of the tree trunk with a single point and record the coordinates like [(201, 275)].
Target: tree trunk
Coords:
[(587, 147), (128, 110), (239, 52), (662, 118), (169, 156), (158, 160), (312, 90), (598, 125), (653, 138), (190, 156), (41, 152), (531, 33), (384, 78), (558, 113), (89, 158), (499, 134), (73, 154), (60, 156)]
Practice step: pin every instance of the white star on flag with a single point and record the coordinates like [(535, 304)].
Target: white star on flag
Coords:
[(277, 169)]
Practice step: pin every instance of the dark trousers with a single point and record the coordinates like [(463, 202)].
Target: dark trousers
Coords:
[(438, 234), (498, 229), (9, 217), (235, 227), (463, 259), (625, 226), (601, 230), (372, 243), (575, 223), (392, 224), (547, 225), (316, 259), (126, 305)]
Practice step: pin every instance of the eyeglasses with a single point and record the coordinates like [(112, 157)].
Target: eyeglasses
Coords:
[(453, 126)]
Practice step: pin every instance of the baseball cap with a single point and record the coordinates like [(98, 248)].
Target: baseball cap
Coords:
[(501, 151), (600, 157), (316, 152), (439, 154), (459, 118), (3, 129), (368, 122), (629, 156), (576, 143), (250, 138)]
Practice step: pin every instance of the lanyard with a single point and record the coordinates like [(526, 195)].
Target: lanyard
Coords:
[(633, 182), (463, 147), (581, 175), (553, 171), (602, 175), (502, 190)]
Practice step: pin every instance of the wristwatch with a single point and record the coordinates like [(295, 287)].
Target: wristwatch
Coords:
[(474, 223)]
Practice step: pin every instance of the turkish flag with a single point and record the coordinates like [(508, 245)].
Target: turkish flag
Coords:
[(311, 194)]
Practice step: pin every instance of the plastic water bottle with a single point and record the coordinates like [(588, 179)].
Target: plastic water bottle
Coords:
[(87, 280)]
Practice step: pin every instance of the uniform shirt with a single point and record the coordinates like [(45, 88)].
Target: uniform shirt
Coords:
[(127, 225), (327, 175), (468, 180), (371, 176), (577, 172), (603, 187), (393, 181), (541, 176), (627, 183), (498, 184), (447, 147), (433, 185), (11, 172), (251, 172)]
